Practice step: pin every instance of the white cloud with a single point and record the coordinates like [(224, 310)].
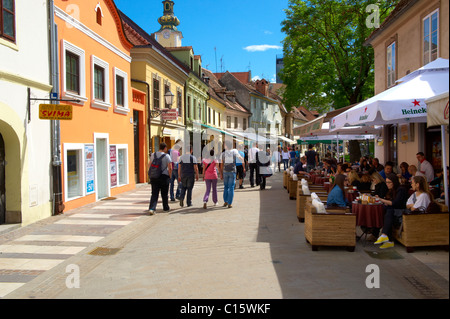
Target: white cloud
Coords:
[(256, 78), (261, 47), (268, 32)]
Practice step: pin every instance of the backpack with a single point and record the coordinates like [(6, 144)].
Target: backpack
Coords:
[(229, 167), (155, 170)]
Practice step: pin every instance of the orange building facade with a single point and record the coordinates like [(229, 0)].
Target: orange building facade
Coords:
[(103, 146)]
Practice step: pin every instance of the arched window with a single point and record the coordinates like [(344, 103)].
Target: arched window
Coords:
[(99, 14)]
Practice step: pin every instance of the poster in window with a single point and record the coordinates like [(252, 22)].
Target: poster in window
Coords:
[(113, 164), (90, 168)]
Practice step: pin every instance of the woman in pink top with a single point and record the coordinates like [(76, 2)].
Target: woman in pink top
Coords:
[(210, 177)]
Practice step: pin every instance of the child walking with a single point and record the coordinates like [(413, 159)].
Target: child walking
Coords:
[(210, 177)]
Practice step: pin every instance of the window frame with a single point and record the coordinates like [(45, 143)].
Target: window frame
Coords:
[(427, 56), (98, 103), (123, 109), (391, 76), (156, 94), (67, 46), (13, 13), (79, 148)]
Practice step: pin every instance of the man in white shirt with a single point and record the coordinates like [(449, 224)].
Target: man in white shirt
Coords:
[(252, 164), (412, 169), (425, 167)]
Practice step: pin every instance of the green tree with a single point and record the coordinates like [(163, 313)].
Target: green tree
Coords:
[(325, 60)]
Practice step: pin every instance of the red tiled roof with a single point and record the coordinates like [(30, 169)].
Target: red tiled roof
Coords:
[(243, 77)]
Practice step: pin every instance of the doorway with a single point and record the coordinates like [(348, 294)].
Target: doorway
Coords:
[(2, 182), (137, 164), (101, 167)]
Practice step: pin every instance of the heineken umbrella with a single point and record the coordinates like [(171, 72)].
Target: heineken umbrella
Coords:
[(403, 103)]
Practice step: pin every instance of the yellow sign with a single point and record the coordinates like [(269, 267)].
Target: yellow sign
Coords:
[(55, 112)]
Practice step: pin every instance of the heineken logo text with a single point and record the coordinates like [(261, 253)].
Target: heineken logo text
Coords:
[(411, 112)]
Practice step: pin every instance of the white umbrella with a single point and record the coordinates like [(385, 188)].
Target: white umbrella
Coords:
[(403, 103)]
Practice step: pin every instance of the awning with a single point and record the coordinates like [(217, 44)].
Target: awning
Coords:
[(217, 130), (286, 139), (437, 110), (250, 136), (403, 103)]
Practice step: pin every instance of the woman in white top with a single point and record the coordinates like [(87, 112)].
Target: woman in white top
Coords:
[(285, 157), (422, 197)]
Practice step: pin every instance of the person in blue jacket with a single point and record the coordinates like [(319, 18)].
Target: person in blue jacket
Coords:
[(336, 197)]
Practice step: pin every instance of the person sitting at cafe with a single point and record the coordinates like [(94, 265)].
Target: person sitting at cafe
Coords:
[(438, 183), (381, 188), (363, 165), (388, 169), (395, 203), (425, 167), (376, 165), (300, 167), (354, 180), (366, 183), (404, 174), (422, 196), (412, 169), (336, 197)]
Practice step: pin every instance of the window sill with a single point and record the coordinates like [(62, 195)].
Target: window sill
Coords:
[(100, 105), (121, 110), (73, 96)]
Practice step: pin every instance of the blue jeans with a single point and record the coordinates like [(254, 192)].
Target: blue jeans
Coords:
[(229, 180), (172, 184)]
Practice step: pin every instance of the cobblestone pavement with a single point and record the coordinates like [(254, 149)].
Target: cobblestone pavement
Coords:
[(256, 249)]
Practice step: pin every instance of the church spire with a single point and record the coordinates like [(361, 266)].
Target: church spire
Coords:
[(168, 20)]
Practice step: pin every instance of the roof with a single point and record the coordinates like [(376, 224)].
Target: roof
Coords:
[(214, 87), (243, 77), (309, 115)]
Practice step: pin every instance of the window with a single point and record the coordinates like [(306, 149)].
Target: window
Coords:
[(73, 171), (122, 165), (235, 122), (180, 103), (209, 115), (189, 107), (244, 124), (99, 83), (391, 65), (431, 37), (120, 91), (72, 73), (156, 105), (99, 16), (7, 20), (166, 89), (214, 117), (228, 121)]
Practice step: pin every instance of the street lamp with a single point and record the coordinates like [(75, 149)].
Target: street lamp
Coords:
[(169, 98)]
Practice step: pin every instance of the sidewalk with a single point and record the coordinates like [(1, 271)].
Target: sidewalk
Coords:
[(254, 250)]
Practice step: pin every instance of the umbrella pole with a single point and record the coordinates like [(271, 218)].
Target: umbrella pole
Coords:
[(444, 162)]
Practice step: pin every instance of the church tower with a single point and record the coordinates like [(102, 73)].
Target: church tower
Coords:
[(168, 35)]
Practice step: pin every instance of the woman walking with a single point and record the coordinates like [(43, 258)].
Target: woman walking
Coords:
[(210, 177)]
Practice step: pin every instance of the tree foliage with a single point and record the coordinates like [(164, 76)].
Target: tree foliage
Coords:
[(325, 60)]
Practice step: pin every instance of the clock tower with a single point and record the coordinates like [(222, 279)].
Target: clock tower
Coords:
[(168, 35)]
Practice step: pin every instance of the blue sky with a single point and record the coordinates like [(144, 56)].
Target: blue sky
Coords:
[(246, 33)]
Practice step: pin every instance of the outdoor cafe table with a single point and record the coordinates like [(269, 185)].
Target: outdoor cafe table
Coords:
[(351, 195), (368, 215), (319, 180)]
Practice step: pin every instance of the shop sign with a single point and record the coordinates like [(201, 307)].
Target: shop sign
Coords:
[(90, 168), (170, 115), (55, 112), (113, 164)]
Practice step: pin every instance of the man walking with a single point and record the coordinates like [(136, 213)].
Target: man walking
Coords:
[(228, 172), (240, 167), (187, 172), (252, 165), (174, 155), (159, 173)]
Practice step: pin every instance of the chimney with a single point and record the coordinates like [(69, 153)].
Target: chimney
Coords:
[(262, 86)]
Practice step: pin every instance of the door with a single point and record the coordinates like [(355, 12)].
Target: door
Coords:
[(101, 167), (136, 145), (2, 181)]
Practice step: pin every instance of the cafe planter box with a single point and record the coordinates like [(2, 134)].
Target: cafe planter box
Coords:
[(423, 229), (301, 202), (293, 188), (336, 227)]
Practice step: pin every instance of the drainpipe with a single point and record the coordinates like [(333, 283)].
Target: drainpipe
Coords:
[(148, 115), (58, 205)]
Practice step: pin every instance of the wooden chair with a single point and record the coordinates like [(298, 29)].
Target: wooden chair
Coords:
[(301, 202), (336, 227), (423, 229)]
